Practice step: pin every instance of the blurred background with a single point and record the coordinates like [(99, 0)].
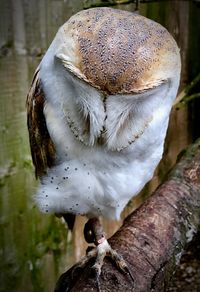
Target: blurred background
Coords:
[(36, 248)]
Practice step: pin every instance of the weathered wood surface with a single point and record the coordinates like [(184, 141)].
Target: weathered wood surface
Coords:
[(153, 238)]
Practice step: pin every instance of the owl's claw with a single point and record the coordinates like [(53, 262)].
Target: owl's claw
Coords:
[(97, 278), (105, 250), (101, 251), (93, 234), (121, 263)]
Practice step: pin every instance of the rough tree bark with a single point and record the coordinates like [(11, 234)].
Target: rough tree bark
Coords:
[(153, 238)]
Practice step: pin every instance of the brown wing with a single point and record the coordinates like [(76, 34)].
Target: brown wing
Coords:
[(42, 147)]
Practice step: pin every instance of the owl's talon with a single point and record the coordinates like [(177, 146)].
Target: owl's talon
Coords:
[(120, 262), (127, 270), (97, 272)]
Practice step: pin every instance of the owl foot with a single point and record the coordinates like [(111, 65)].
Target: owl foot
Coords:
[(104, 250), (94, 233), (94, 259), (101, 251)]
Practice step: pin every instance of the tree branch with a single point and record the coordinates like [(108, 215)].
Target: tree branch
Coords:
[(184, 96), (153, 238)]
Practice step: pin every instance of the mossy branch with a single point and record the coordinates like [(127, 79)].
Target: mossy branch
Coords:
[(184, 96)]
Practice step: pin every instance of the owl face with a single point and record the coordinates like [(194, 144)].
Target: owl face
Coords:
[(117, 52), (113, 69)]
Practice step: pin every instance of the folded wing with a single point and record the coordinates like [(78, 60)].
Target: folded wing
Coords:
[(42, 147)]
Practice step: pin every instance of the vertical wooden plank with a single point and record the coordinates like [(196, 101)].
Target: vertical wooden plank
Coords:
[(19, 37), (32, 24), (78, 243), (42, 24), (194, 65), (15, 178), (178, 134), (5, 25)]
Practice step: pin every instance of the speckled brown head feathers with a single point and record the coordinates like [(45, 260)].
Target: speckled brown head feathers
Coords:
[(117, 51)]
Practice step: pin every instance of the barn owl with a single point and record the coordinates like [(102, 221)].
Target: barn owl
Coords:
[(98, 110)]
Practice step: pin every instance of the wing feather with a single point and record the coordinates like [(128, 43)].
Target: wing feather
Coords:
[(42, 147)]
